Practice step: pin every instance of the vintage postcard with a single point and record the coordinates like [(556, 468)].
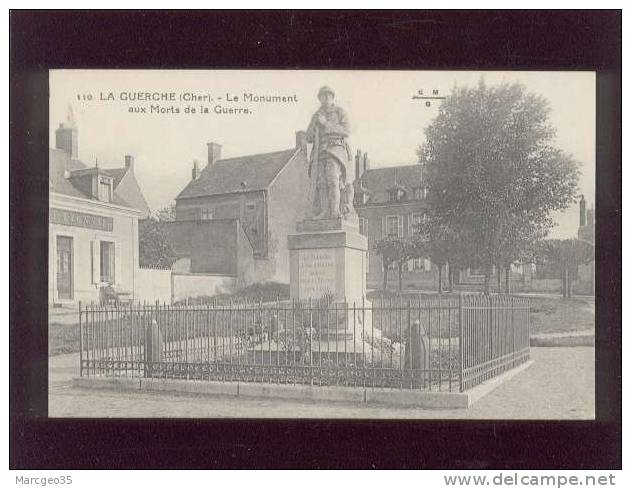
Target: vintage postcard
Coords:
[(321, 244)]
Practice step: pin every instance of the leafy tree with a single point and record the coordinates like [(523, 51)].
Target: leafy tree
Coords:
[(406, 250), (437, 241), (166, 214), (155, 248), (565, 255), (393, 249), (385, 248), (493, 173)]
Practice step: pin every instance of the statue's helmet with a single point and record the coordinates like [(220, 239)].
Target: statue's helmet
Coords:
[(325, 89)]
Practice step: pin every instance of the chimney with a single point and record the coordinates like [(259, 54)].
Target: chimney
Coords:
[(129, 162), (195, 172), (357, 158), (301, 140), (366, 163), (214, 152), (66, 139), (582, 219)]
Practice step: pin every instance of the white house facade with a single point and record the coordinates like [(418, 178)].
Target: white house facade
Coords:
[(93, 225)]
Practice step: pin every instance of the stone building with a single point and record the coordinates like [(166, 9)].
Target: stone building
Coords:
[(93, 224), (233, 217), (389, 201)]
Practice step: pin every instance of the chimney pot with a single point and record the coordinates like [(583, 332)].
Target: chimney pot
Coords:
[(214, 152), (66, 139), (195, 172)]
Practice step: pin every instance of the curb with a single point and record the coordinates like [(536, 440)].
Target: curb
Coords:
[(572, 339), (354, 395), (479, 391)]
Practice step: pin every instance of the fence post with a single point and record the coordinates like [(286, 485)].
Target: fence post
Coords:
[(186, 318), (460, 341), (172, 288), (80, 343), (153, 343), (492, 308), (512, 327), (527, 300)]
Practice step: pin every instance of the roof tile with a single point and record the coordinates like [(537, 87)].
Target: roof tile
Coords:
[(379, 181), (59, 161), (252, 172)]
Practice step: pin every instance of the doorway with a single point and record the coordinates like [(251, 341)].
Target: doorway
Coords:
[(64, 268)]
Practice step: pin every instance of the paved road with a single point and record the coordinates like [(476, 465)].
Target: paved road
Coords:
[(559, 385)]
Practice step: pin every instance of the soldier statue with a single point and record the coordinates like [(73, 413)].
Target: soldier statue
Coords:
[(331, 192)]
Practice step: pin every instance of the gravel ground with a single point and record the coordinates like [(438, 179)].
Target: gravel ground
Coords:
[(536, 393)]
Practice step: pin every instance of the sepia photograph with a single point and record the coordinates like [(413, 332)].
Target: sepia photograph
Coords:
[(348, 244)]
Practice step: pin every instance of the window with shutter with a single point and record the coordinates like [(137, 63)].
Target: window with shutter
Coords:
[(107, 262)]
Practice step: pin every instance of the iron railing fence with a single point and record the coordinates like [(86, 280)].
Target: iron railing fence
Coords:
[(429, 342)]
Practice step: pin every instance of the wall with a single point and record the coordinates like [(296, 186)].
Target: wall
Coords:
[(289, 202), (124, 234), (246, 273), (199, 284), (211, 245), (248, 207), (223, 247), (153, 285), (218, 246)]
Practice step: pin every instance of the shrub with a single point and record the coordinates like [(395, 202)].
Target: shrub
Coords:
[(264, 292)]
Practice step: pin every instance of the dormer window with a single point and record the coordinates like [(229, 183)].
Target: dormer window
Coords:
[(396, 194), (362, 195), (207, 214), (420, 193), (361, 198), (105, 189)]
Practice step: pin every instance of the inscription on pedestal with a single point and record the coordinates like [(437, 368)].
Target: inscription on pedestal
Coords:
[(317, 273)]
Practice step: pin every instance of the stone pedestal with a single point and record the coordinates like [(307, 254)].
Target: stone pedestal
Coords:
[(328, 258)]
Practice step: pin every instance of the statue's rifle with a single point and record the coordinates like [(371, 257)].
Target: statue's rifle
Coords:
[(315, 150)]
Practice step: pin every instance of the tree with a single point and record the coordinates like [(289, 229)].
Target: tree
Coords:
[(155, 247), (493, 173), (565, 255), (394, 250), (437, 241), (166, 214)]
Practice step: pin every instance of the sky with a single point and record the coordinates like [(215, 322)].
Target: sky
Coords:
[(386, 122)]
